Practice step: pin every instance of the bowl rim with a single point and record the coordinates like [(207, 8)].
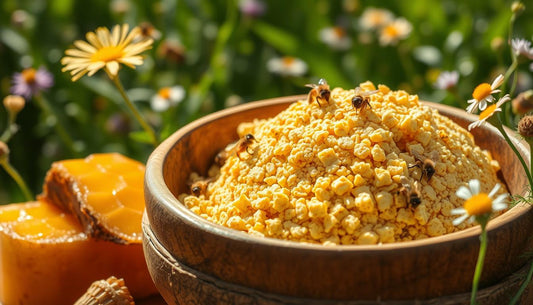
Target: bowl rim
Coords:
[(154, 180)]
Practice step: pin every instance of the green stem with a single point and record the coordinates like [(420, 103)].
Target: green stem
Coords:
[(60, 130), (10, 128), (523, 287), (506, 113), (405, 61), (517, 153), (135, 111), (479, 264), (18, 179)]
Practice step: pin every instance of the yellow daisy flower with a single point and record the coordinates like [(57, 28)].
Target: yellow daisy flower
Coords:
[(106, 50), (487, 113)]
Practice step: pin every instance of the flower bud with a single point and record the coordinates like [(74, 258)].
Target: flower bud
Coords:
[(517, 7), (14, 103), (525, 126), (4, 152), (523, 103), (497, 43)]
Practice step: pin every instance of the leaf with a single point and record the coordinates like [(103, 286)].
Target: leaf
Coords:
[(278, 38), (141, 137), (14, 41)]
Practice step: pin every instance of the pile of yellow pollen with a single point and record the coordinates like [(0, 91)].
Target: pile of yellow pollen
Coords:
[(331, 174)]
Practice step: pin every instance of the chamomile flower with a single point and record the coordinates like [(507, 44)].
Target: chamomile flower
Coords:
[(522, 47), (167, 97), (395, 31), (336, 38), (375, 18), (489, 112), (478, 204), (106, 50), (30, 82), (483, 94), (447, 80), (287, 66)]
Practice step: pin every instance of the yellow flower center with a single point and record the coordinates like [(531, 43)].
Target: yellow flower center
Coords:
[(377, 18), (482, 91), (478, 204), (107, 54), (488, 112), (391, 31), (339, 32), (28, 75), (288, 61), (164, 93)]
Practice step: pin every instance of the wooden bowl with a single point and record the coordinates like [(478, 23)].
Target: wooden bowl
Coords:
[(193, 261)]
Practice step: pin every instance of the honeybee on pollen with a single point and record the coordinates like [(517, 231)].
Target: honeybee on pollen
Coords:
[(240, 146), (362, 99), (319, 91), (411, 191)]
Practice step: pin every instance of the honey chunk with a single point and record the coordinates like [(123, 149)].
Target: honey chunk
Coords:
[(46, 258), (104, 191)]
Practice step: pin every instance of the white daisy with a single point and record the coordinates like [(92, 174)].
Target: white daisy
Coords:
[(477, 203), (287, 66), (395, 31), (487, 113), (483, 94), (167, 97), (336, 38), (375, 18), (447, 80), (522, 47)]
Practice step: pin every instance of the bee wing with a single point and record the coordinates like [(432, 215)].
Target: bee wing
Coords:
[(416, 185), (322, 81), (405, 182), (367, 93), (311, 86), (434, 155), (417, 155)]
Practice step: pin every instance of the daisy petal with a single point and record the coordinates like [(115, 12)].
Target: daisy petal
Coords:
[(474, 186), (459, 220), (495, 189), (458, 211), (464, 193)]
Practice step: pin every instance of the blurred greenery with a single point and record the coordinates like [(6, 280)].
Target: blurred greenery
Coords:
[(219, 53)]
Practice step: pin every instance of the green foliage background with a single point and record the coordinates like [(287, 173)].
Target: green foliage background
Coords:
[(225, 54)]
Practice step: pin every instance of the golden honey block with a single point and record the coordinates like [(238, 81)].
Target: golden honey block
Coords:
[(104, 191), (46, 258)]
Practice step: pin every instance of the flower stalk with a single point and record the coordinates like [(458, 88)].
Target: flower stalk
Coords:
[(58, 127), (136, 114), (480, 262), (11, 171)]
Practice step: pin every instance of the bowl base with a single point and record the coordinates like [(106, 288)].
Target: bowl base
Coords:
[(185, 285)]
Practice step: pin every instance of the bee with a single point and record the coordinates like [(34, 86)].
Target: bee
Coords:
[(427, 165), (361, 99), (411, 190), (319, 91), (200, 187), (240, 146)]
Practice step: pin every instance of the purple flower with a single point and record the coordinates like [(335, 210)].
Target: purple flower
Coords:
[(447, 80), (252, 8), (30, 82)]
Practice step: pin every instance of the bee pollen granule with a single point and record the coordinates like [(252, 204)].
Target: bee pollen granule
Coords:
[(332, 174)]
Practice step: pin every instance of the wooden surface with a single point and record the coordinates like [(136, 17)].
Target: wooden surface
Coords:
[(422, 269)]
